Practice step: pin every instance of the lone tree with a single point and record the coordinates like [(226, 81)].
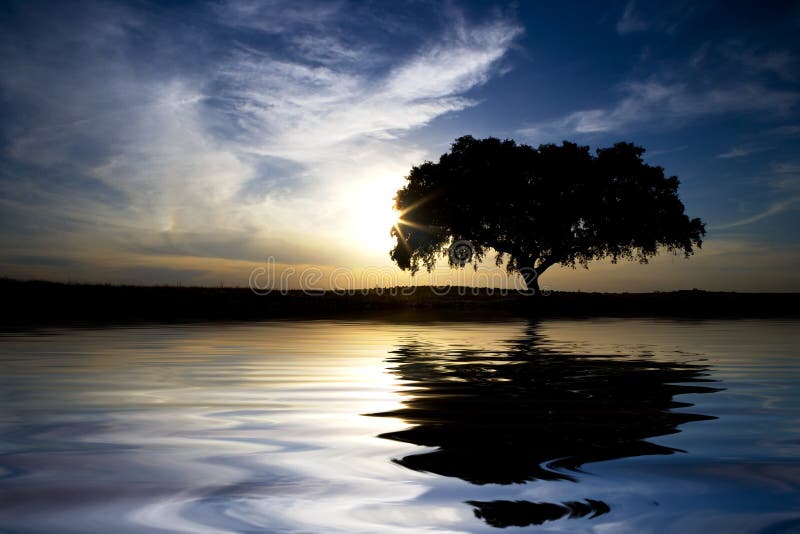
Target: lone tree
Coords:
[(538, 207)]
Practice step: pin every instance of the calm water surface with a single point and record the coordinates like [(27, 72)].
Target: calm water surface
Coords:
[(561, 425)]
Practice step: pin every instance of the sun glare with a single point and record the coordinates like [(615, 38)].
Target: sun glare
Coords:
[(374, 215)]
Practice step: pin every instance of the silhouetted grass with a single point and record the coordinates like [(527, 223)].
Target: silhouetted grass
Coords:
[(33, 302)]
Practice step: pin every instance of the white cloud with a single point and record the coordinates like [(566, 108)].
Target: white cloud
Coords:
[(181, 145), (297, 110)]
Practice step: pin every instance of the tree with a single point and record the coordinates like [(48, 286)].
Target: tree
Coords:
[(539, 207)]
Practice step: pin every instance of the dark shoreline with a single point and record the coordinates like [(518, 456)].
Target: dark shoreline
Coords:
[(44, 303)]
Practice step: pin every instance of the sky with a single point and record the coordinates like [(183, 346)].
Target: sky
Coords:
[(193, 142)]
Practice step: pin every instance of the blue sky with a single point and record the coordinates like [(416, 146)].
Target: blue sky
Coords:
[(186, 142)]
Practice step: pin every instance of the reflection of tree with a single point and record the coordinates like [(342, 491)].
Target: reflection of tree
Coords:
[(523, 513), (525, 412)]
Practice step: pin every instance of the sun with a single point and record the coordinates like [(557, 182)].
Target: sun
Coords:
[(374, 214)]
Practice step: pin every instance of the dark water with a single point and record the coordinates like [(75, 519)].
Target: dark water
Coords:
[(606, 426)]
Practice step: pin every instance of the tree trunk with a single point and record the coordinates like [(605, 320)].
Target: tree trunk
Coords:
[(531, 277)]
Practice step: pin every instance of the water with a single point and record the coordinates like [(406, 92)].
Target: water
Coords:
[(602, 425)]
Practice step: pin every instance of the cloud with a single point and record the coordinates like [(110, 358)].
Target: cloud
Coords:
[(714, 80), (672, 98), (783, 185), (781, 63), (295, 110), (742, 151), (247, 132), (669, 150), (657, 17), (630, 21), (773, 209), (786, 167)]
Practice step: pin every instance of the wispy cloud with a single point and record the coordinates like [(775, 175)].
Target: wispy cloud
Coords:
[(649, 102), (783, 185), (664, 17), (674, 95), (669, 150), (256, 149), (781, 63), (741, 151), (630, 21), (774, 208), (786, 167)]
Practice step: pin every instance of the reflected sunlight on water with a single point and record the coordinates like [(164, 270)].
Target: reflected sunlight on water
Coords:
[(321, 426)]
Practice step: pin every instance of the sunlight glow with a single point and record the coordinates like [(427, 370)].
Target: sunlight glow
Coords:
[(374, 215)]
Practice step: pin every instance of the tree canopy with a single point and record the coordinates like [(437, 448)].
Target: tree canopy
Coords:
[(539, 207)]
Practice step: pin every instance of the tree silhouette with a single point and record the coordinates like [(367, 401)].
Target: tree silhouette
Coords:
[(538, 207)]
